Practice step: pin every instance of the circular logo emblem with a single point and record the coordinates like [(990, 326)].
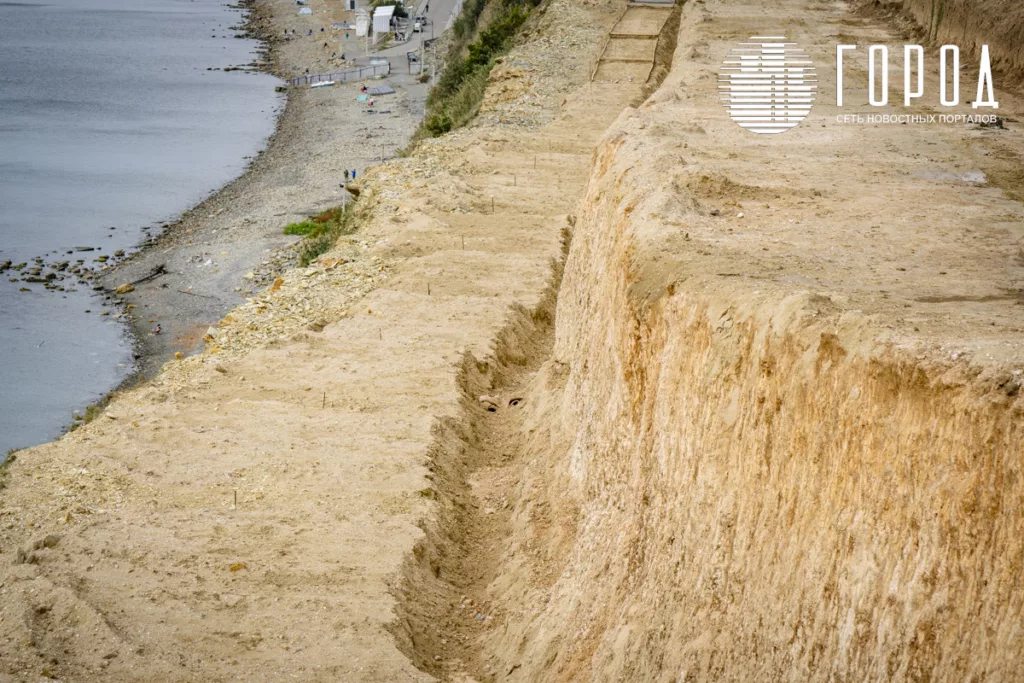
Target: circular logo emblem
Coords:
[(768, 84)]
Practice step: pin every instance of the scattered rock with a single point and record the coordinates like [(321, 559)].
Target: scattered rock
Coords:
[(126, 288), (50, 541), (231, 600)]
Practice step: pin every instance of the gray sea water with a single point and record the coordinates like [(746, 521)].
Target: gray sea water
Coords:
[(108, 118)]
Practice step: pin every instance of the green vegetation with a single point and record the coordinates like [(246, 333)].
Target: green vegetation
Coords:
[(456, 98), (321, 232), (4, 464), (303, 228), (92, 411)]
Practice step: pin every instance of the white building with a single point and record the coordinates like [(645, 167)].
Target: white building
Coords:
[(362, 22), (382, 19)]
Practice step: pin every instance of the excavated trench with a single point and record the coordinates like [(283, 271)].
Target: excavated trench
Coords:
[(476, 471), (678, 485)]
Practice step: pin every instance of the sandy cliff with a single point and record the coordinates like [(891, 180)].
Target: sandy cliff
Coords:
[(774, 429), (996, 23)]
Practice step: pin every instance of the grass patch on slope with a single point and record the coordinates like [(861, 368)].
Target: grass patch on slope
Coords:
[(6, 463), (454, 101), (320, 232), (303, 228)]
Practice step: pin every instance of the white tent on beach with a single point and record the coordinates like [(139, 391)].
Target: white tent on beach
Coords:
[(382, 19)]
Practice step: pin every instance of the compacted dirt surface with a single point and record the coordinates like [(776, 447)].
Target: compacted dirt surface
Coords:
[(604, 387)]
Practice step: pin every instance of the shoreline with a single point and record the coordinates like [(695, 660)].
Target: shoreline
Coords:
[(53, 273), (145, 346), (231, 244)]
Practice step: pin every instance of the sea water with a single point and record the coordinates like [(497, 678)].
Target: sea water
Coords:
[(109, 117)]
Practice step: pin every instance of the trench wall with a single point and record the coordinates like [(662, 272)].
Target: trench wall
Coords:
[(755, 488), (969, 24)]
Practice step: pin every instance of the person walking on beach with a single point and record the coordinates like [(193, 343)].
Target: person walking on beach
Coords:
[(346, 175), (353, 174)]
